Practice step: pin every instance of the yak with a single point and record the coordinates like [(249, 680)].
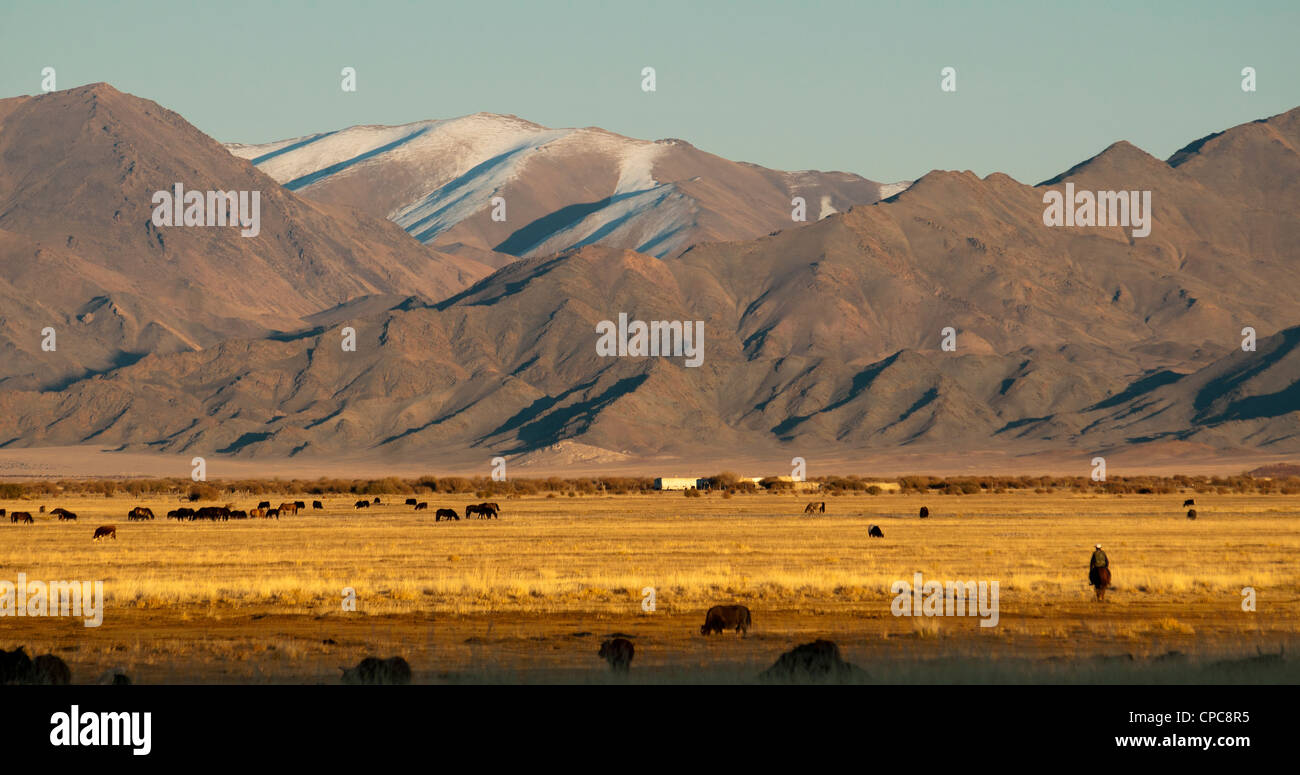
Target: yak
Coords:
[(375, 671), (727, 617), (875, 532), (618, 653), (105, 531)]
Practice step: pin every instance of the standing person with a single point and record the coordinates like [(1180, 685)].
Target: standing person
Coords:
[(1099, 572)]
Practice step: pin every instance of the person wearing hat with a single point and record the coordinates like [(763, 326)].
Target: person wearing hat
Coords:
[(1099, 572)]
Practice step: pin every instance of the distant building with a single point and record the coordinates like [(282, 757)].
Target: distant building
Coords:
[(679, 483)]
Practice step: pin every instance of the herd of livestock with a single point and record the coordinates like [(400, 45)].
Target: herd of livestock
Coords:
[(264, 510)]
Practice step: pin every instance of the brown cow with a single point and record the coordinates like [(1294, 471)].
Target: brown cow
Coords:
[(22, 517), (618, 653), (727, 617), (105, 531)]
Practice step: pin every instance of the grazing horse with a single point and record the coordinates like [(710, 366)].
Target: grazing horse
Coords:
[(289, 508), (299, 506), (421, 506), (264, 505), (816, 507), (105, 531), (362, 505), (489, 510), (442, 514), (68, 516), (22, 517), (272, 513), (473, 510), (257, 513), (139, 513)]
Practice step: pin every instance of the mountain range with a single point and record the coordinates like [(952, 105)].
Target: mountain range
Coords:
[(476, 336)]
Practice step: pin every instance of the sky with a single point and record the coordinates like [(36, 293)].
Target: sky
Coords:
[(812, 84)]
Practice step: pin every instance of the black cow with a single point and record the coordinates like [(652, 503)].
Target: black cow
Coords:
[(442, 514), (618, 653), (375, 671), (875, 532), (925, 512), (727, 617)]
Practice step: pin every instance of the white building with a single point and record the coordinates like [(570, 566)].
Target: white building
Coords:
[(678, 483)]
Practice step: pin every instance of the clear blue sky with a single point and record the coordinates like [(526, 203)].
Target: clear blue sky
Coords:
[(792, 84)]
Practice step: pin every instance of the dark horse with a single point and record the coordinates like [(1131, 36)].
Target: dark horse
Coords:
[(1099, 578)]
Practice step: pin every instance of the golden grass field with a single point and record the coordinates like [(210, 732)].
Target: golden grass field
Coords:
[(529, 597)]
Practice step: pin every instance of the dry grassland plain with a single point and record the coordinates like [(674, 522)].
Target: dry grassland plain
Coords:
[(528, 598)]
